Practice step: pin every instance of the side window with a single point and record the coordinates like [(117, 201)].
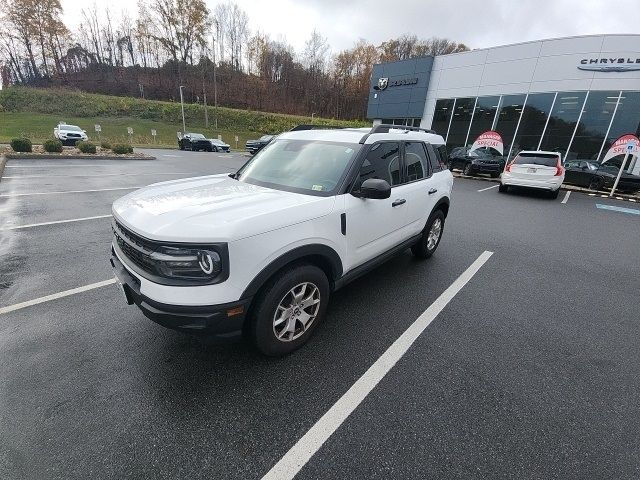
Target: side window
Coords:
[(416, 160), (438, 162), (382, 161)]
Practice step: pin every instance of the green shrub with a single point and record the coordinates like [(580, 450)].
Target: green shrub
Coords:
[(52, 146), (86, 147), (105, 146), (122, 149), (21, 145)]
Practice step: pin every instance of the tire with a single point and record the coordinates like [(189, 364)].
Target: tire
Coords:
[(451, 166), (276, 296), (214, 149), (554, 194), (427, 244), (596, 183), (181, 146), (468, 169), (503, 188)]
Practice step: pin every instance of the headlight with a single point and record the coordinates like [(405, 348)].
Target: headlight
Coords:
[(187, 263)]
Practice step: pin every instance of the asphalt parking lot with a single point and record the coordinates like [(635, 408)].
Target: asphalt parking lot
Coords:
[(530, 371)]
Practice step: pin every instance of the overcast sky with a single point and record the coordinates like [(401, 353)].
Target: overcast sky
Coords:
[(478, 23)]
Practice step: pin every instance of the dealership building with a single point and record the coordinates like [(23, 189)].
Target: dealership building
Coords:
[(574, 95)]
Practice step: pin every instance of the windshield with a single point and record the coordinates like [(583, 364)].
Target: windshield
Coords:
[(546, 159), (70, 128), (196, 136), (299, 165)]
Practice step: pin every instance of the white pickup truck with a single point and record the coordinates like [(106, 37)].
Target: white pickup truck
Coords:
[(258, 252)]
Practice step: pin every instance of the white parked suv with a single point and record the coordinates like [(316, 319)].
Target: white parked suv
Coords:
[(69, 134), (534, 169), (258, 252)]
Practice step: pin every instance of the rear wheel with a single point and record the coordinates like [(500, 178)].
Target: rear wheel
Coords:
[(289, 309), (468, 170), (431, 236), (503, 188), (555, 193), (596, 183)]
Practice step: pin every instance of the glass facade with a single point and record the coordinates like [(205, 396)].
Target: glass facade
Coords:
[(580, 125), (411, 122), (460, 122)]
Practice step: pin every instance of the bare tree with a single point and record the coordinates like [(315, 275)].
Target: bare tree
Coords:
[(179, 26), (233, 27)]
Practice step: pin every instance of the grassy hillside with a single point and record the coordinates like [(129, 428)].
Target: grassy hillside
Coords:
[(34, 113)]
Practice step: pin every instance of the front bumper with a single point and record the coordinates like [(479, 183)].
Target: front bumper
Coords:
[(222, 322), (486, 167)]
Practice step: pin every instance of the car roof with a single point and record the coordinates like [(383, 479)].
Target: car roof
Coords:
[(355, 135)]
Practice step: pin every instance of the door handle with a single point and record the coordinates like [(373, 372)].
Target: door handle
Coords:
[(399, 201), (432, 191)]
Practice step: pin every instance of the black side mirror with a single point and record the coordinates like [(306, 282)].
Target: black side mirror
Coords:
[(375, 188)]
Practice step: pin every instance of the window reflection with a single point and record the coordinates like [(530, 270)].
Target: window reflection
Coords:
[(441, 116), (594, 122), (460, 122), (563, 121), (508, 116), (483, 117), (534, 118)]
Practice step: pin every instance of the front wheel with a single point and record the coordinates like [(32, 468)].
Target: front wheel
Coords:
[(596, 183), (289, 309), (431, 236), (467, 169)]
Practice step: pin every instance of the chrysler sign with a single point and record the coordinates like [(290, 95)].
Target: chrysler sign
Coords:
[(610, 64)]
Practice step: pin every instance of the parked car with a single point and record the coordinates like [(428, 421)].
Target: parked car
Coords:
[(534, 169), (219, 146), (595, 176), (260, 251), (69, 134), (254, 146), (194, 142), (477, 161)]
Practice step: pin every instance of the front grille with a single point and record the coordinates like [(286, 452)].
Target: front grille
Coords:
[(136, 248)]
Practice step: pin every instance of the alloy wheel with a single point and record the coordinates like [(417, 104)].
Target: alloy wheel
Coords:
[(434, 234), (296, 311)]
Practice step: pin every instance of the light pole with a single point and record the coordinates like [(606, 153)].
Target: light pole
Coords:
[(184, 126)]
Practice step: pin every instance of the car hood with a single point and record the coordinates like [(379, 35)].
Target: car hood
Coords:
[(215, 208)]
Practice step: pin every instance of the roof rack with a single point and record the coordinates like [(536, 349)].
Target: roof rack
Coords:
[(384, 128), (315, 127)]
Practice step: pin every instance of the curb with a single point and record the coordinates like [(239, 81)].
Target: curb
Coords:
[(591, 193), (29, 156)]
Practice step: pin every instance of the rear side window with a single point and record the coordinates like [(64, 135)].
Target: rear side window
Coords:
[(547, 159), (416, 160), (383, 162), (437, 157)]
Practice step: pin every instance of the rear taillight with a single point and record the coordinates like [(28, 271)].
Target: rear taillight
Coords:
[(508, 167), (559, 169)]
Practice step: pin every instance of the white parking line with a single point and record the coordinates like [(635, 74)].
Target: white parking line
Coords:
[(488, 188), (55, 296), (101, 175), (566, 196), (18, 227), (312, 441), (6, 195), (61, 166), (172, 156)]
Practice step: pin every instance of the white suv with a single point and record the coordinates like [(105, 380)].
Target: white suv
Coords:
[(534, 169), (259, 252), (69, 134)]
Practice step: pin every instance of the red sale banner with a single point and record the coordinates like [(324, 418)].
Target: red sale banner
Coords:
[(488, 139), (619, 147)]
